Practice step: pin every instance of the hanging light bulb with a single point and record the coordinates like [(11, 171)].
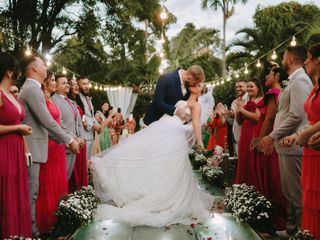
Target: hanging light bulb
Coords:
[(274, 55), (64, 71), (90, 85), (222, 81), (237, 75), (48, 56), (258, 65), (161, 54), (160, 70), (246, 71), (218, 83), (163, 14), (100, 88), (28, 51), (163, 40), (163, 61), (213, 84), (293, 41), (73, 77), (228, 78), (96, 87), (105, 88), (48, 63)]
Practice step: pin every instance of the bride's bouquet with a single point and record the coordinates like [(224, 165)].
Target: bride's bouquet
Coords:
[(75, 210), (248, 205), (198, 158)]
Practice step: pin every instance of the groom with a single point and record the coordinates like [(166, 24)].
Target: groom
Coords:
[(171, 88)]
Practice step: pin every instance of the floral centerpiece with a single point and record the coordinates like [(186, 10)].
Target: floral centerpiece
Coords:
[(248, 205), (303, 235), (75, 210)]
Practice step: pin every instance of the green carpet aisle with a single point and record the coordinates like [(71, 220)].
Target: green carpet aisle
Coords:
[(219, 227)]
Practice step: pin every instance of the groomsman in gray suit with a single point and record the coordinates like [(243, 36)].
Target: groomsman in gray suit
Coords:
[(42, 123), (71, 120), (92, 124), (290, 117)]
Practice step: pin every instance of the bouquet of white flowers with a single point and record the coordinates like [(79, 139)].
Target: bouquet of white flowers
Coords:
[(213, 175), (198, 158), (248, 205), (75, 210)]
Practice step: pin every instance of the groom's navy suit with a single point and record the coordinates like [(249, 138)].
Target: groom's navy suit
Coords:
[(168, 92)]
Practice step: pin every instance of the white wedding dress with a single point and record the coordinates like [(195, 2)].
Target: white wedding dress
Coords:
[(149, 176)]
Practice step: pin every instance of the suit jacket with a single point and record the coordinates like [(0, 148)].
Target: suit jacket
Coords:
[(290, 114), (167, 94), (41, 121), (71, 120), (89, 116)]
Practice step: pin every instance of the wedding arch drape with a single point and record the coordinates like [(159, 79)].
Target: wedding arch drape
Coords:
[(122, 97)]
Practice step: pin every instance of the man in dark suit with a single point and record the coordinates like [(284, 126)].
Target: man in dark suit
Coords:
[(171, 88)]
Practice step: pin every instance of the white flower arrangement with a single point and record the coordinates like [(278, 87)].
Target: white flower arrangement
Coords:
[(303, 235), (248, 205), (75, 210), (213, 175), (197, 158)]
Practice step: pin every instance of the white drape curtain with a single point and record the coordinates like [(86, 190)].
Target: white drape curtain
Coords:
[(122, 97)]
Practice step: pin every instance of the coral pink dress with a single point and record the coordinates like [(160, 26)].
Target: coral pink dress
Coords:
[(15, 215), (218, 133), (310, 174), (267, 169), (53, 181), (246, 165)]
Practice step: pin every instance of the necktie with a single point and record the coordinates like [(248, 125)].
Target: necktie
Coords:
[(89, 105), (72, 107)]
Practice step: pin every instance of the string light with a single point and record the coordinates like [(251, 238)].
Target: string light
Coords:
[(246, 71), (293, 41), (105, 89), (274, 55), (163, 14), (73, 77), (163, 40), (100, 88), (237, 75), (28, 51), (96, 87), (48, 63), (90, 85), (161, 54), (161, 71), (64, 71), (258, 65)]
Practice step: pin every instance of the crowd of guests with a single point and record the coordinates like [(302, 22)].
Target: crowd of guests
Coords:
[(276, 123), (48, 133)]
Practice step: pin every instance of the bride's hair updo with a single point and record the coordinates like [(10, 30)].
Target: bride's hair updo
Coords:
[(197, 72)]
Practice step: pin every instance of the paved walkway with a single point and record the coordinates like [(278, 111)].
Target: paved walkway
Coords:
[(218, 227)]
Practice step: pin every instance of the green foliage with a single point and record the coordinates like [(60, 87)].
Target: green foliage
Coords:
[(273, 25)]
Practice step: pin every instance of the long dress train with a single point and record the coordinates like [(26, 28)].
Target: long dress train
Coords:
[(149, 177)]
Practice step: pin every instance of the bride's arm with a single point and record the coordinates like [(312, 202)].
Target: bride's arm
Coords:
[(196, 123)]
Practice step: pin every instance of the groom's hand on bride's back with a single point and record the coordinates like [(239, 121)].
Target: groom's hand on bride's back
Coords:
[(181, 113)]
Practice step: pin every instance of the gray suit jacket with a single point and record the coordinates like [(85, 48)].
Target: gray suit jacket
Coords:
[(290, 114), (71, 123), (89, 116), (41, 121)]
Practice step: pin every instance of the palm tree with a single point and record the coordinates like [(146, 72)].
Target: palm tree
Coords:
[(227, 7), (190, 43)]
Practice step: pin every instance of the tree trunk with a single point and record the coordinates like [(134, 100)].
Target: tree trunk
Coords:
[(225, 12)]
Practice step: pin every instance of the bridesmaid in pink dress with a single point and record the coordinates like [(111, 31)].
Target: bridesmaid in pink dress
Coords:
[(53, 181), (247, 116), (15, 215), (267, 166)]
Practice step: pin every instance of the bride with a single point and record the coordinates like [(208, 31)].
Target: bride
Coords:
[(149, 176)]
